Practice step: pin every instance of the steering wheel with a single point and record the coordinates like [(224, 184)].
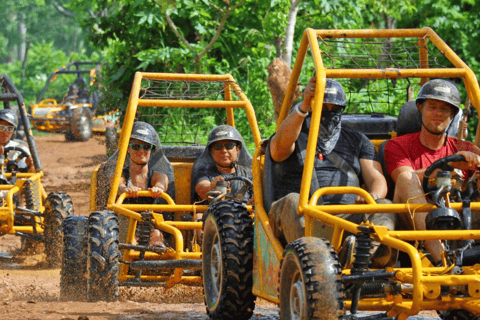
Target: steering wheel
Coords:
[(439, 164), (217, 195), (13, 164)]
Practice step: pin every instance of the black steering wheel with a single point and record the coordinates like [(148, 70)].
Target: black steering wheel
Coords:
[(13, 164), (217, 195), (439, 164), (248, 184)]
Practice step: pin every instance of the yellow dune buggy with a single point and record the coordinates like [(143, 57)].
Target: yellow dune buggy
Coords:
[(99, 257), (26, 210), (380, 70), (76, 113)]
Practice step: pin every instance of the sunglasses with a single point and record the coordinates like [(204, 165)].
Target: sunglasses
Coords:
[(7, 128), (138, 146), (336, 108), (227, 145)]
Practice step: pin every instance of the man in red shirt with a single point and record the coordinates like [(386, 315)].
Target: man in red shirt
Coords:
[(407, 157)]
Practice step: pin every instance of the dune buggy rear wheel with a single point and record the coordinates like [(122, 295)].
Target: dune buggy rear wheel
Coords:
[(227, 266), (103, 256), (310, 286), (73, 276), (58, 206), (80, 125)]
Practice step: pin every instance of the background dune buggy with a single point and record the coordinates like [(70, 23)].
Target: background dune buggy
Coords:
[(379, 69), (76, 113), (183, 108), (26, 210)]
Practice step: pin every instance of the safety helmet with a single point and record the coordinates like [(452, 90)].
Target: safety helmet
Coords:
[(144, 132), (9, 116), (442, 90), (224, 132), (334, 93)]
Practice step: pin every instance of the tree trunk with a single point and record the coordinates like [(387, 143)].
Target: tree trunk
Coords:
[(22, 30), (290, 32), (278, 75)]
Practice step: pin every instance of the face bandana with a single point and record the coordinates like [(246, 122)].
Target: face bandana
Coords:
[(330, 127)]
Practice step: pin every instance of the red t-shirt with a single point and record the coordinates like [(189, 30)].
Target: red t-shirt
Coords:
[(407, 150)]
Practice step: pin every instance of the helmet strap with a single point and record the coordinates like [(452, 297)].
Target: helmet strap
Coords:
[(140, 164), (232, 165)]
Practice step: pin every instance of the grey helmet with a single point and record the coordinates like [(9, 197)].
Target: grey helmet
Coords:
[(144, 132), (334, 93), (224, 132), (9, 116), (442, 90)]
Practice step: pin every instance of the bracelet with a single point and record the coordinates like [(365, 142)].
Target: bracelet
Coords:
[(300, 112), (375, 196)]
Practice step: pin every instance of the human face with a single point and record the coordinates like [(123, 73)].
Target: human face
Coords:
[(436, 115), (5, 135), (140, 156), (332, 107), (224, 157)]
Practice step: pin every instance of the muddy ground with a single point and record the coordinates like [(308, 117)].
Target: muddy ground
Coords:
[(28, 290)]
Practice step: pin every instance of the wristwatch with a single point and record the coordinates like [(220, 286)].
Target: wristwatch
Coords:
[(301, 113)]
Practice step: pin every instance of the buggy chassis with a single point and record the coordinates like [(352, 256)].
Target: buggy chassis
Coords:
[(141, 265), (451, 289), (38, 218), (74, 116)]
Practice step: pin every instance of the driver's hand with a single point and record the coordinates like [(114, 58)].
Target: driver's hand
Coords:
[(133, 191), (472, 161), (213, 184), (156, 191), (29, 162)]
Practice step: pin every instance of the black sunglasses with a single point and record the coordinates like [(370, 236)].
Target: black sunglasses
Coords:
[(137, 146), (228, 145)]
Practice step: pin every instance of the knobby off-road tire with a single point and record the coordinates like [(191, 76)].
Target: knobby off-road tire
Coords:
[(58, 206), (227, 266), (80, 125), (456, 315), (111, 140), (73, 277), (103, 256), (310, 285)]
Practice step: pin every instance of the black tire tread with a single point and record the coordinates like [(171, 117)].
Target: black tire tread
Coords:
[(75, 129), (322, 273), (236, 230), (73, 276), (103, 256), (58, 206)]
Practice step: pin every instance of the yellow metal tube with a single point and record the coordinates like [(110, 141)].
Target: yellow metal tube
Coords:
[(126, 131), (395, 73)]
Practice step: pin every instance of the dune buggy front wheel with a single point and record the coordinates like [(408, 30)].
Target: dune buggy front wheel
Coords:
[(73, 277), (103, 256), (58, 206), (80, 125), (227, 253), (310, 286)]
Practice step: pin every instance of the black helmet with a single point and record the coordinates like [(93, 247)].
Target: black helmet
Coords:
[(144, 132), (224, 132), (9, 116), (442, 90), (334, 93)]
